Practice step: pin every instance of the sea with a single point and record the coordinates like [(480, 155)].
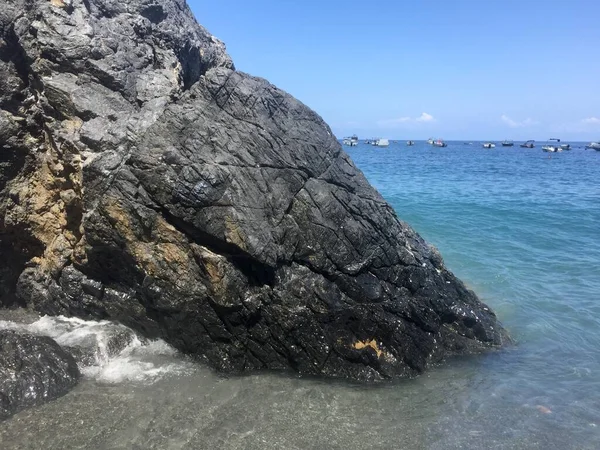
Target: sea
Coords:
[(519, 226)]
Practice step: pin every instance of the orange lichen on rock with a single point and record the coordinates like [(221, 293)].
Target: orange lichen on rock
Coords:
[(166, 253), (168, 249), (359, 345), (47, 202)]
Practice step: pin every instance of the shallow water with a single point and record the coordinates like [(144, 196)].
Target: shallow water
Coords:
[(517, 227)]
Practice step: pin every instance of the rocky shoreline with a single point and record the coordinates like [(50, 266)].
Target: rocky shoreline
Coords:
[(144, 180)]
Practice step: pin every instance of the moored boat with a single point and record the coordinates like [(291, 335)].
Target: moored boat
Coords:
[(528, 144), (351, 141), (410, 143), (594, 146), (430, 141), (439, 143), (552, 148), (507, 143), (381, 142), (489, 145)]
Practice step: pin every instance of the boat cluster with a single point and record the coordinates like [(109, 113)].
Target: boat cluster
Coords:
[(378, 142), (553, 145), (528, 144)]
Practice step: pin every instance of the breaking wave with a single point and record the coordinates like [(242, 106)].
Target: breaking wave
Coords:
[(108, 352)]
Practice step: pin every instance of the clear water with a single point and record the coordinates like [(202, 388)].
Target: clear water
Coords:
[(520, 228)]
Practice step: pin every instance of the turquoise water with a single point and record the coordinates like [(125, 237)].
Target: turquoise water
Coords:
[(518, 227), (522, 228)]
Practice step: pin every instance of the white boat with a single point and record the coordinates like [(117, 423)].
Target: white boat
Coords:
[(489, 145), (351, 141), (594, 146), (552, 148), (410, 143), (565, 146), (430, 141), (381, 142), (440, 143)]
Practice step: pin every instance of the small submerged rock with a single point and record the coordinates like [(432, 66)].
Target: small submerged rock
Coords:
[(92, 350), (33, 370)]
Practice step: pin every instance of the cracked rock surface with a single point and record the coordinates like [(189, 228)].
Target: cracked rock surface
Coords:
[(144, 180)]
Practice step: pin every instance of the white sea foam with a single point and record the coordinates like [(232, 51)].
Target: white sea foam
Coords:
[(106, 351)]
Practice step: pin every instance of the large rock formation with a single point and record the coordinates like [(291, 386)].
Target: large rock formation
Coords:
[(143, 179), (33, 370)]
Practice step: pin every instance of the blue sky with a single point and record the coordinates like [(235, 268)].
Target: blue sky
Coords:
[(456, 69)]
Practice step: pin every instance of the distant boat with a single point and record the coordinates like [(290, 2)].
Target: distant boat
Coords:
[(555, 148), (440, 143), (507, 143), (594, 146), (552, 148), (528, 144), (409, 143), (489, 145), (430, 141), (351, 141), (381, 142)]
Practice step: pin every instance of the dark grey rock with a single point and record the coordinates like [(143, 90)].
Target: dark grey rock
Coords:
[(33, 370), (144, 180)]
